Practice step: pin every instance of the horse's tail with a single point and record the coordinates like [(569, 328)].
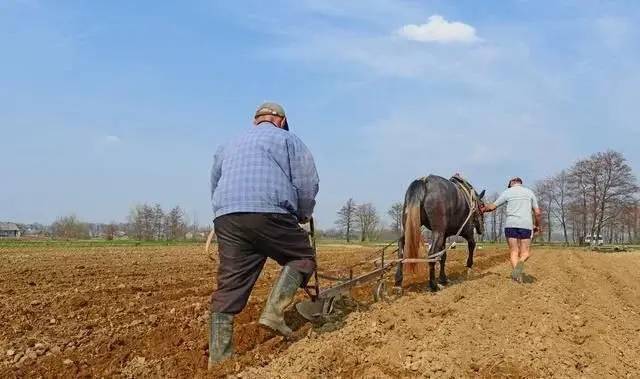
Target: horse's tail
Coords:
[(413, 200)]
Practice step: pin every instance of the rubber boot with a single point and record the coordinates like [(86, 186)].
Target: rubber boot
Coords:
[(220, 337), (280, 298)]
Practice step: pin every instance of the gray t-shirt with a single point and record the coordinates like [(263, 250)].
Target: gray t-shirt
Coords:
[(520, 201)]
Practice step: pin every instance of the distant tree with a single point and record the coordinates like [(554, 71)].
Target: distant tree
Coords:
[(176, 226), (492, 219), (69, 227), (142, 222), (347, 221), (110, 231), (395, 212), (501, 215), (544, 192), (158, 222), (368, 221), (603, 186), (560, 195)]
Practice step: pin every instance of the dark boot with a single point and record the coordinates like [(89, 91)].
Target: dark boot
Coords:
[(220, 337), (280, 298)]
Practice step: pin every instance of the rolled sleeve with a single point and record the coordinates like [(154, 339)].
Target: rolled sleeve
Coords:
[(304, 177)]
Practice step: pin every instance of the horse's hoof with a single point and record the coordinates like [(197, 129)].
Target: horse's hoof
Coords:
[(397, 291), (440, 286), (469, 273)]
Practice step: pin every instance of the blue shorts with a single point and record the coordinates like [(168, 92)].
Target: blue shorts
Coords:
[(518, 233)]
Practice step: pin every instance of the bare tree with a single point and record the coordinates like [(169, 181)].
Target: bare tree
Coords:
[(347, 221), (135, 222), (175, 224), (560, 195), (395, 212), (69, 227), (492, 219), (368, 220), (605, 186), (578, 186), (143, 223), (110, 231), (158, 222), (544, 192), (501, 214)]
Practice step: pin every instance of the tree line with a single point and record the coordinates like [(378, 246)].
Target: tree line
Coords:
[(597, 196), (149, 223), (145, 223), (363, 222)]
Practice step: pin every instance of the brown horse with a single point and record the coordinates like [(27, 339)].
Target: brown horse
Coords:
[(442, 206)]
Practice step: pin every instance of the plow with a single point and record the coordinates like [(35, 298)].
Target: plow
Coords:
[(321, 301)]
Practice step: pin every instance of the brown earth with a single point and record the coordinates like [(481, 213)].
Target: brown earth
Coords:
[(142, 311)]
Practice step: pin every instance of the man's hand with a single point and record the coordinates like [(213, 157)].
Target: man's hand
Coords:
[(537, 230), (304, 220), (485, 208)]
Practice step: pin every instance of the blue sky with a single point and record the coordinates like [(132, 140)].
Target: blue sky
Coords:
[(107, 104)]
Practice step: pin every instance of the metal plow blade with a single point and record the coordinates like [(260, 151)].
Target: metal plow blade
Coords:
[(313, 310)]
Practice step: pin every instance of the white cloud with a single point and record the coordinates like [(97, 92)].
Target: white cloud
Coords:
[(439, 30), (112, 139)]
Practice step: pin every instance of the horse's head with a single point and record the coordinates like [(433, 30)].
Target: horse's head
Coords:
[(478, 218)]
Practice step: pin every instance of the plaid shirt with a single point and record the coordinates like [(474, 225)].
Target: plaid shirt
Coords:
[(266, 170)]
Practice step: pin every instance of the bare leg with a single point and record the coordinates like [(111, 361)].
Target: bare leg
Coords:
[(525, 250), (514, 250)]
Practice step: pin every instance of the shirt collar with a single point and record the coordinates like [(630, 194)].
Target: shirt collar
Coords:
[(266, 122)]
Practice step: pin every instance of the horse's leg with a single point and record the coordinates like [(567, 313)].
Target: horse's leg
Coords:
[(436, 246), (471, 242), (399, 277), (432, 277), (443, 275)]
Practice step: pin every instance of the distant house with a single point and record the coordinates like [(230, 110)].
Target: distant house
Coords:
[(595, 240), (9, 230)]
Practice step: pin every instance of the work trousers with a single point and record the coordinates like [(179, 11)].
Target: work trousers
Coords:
[(245, 241)]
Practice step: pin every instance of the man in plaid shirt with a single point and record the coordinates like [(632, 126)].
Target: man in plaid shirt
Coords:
[(263, 185)]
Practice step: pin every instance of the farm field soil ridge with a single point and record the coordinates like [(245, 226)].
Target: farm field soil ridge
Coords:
[(578, 316)]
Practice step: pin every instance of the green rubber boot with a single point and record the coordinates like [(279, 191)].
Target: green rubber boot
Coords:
[(517, 272), (280, 298), (220, 337)]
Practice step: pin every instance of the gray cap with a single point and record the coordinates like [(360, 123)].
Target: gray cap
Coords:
[(269, 108)]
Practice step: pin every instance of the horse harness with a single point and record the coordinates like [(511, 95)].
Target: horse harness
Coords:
[(471, 200)]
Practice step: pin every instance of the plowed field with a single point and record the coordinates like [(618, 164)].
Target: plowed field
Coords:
[(142, 311)]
